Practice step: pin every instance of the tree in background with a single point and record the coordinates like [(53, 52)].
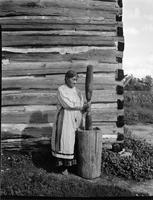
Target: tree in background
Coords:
[(132, 83), (148, 80)]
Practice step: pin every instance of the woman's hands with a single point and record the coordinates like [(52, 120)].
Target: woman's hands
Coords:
[(86, 107)]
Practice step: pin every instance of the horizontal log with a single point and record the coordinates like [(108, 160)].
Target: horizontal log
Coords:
[(60, 49), (24, 144), (67, 12), (60, 33), (55, 27), (14, 131), (40, 97), (45, 114), (42, 68), (90, 4), (26, 20), (31, 97), (70, 54), (101, 81), (55, 7), (108, 128), (56, 38), (34, 144)]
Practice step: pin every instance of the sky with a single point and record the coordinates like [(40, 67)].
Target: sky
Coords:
[(138, 36)]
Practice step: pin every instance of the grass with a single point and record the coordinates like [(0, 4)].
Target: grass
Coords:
[(138, 107), (34, 174), (21, 177)]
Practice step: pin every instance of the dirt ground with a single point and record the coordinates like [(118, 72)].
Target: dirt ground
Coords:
[(143, 131)]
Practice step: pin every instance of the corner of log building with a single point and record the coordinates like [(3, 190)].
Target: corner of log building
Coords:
[(41, 40)]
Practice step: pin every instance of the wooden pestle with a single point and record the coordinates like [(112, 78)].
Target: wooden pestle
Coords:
[(88, 91)]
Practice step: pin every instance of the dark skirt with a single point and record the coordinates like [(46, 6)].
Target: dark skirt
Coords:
[(65, 162), (61, 162)]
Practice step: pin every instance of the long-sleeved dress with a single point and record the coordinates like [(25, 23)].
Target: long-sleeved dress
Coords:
[(67, 121)]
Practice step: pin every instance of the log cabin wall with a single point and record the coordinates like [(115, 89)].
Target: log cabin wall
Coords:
[(41, 40)]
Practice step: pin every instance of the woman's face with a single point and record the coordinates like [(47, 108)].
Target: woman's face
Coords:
[(71, 82)]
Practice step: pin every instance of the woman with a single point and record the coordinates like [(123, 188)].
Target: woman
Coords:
[(69, 118)]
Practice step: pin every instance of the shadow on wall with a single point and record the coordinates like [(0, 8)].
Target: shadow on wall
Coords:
[(36, 138), (38, 127)]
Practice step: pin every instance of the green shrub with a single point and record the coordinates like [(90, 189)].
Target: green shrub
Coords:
[(137, 167)]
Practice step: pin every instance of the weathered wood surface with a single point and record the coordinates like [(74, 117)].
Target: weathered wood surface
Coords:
[(88, 94), (101, 81), (45, 114), (36, 26), (105, 34), (33, 144), (42, 68), (53, 38), (31, 136), (41, 26), (37, 20), (24, 144), (33, 13), (89, 153), (67, 12), (40, 97), (36, 130), (70, 54), (78, 33), (57, 7)]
